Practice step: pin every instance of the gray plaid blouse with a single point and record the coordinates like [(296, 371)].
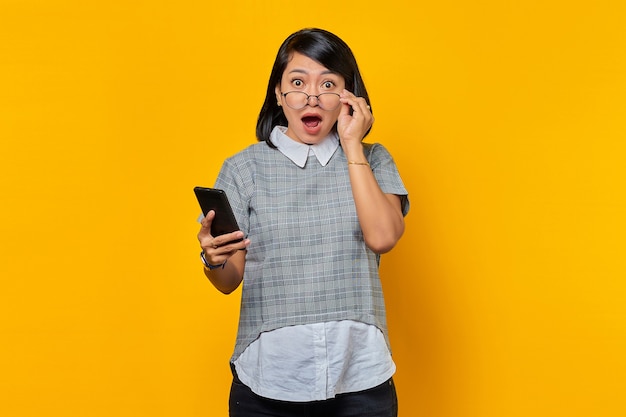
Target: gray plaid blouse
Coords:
[(307, 261)]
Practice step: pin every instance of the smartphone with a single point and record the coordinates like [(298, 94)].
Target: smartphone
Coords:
[(216, 200)]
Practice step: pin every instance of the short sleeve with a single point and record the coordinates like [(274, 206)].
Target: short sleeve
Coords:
[(232, 182), (386, 173)]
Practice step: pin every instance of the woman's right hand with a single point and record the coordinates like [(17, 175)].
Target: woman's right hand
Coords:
[(218, 249)]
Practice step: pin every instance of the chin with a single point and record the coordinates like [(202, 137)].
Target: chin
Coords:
[(313, 139)]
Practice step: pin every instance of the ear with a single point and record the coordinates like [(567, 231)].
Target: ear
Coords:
[(278, 95)]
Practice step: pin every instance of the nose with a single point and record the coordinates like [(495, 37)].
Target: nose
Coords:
[(317, 100)]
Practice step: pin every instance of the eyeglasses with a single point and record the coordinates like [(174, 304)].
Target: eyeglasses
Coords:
[(299, 99)]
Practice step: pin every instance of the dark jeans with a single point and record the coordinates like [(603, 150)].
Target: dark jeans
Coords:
[(380, 401)]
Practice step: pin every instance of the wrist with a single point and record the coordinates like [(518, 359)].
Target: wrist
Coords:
[(353, 151), (209, 266), (358, 163)]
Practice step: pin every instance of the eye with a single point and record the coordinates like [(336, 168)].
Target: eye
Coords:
[(297, 83), (328, 84)]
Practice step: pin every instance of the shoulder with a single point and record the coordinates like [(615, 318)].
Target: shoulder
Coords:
[(376, 152), (250, 161), (254, 150), (374, 147), (249, 156)]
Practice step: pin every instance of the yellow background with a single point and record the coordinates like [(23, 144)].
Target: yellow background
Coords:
[(507, 294)]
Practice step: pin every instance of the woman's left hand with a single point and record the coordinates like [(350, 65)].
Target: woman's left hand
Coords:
[(353, 127)]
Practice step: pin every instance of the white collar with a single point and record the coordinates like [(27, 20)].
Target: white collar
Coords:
[(299, 152)]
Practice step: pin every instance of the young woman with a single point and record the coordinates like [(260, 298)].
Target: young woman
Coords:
[(316, 207)]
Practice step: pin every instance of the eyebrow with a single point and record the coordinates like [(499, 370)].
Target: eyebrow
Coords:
[(303, 71)]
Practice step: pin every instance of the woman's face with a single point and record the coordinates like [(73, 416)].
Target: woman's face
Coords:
[(312, 123)]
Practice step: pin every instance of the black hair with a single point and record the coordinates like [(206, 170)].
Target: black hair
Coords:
[(321, 46)]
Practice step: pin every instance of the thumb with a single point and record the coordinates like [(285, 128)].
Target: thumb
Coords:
[(207, 220)]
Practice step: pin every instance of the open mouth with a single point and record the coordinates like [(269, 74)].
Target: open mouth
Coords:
[(311, 121)]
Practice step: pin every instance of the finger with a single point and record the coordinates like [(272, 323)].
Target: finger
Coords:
[(361, 108), (227, 239), (347, 94), (361, 105), (204, 234), (345, 109), (347, 97), (217, 252), (358, 104), (207, 220)]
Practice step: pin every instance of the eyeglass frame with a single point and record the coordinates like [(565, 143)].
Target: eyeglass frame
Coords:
[(308, 96)]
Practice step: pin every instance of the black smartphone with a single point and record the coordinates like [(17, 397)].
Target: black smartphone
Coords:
[(216, 200)]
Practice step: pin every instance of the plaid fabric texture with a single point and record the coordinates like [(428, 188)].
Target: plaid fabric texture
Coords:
[(307, 261)]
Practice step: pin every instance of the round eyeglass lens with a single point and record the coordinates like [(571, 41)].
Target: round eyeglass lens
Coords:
[(296, 100), (328, 101)]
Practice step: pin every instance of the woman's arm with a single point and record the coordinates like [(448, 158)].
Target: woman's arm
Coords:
[(380, 214), (218, 251)]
